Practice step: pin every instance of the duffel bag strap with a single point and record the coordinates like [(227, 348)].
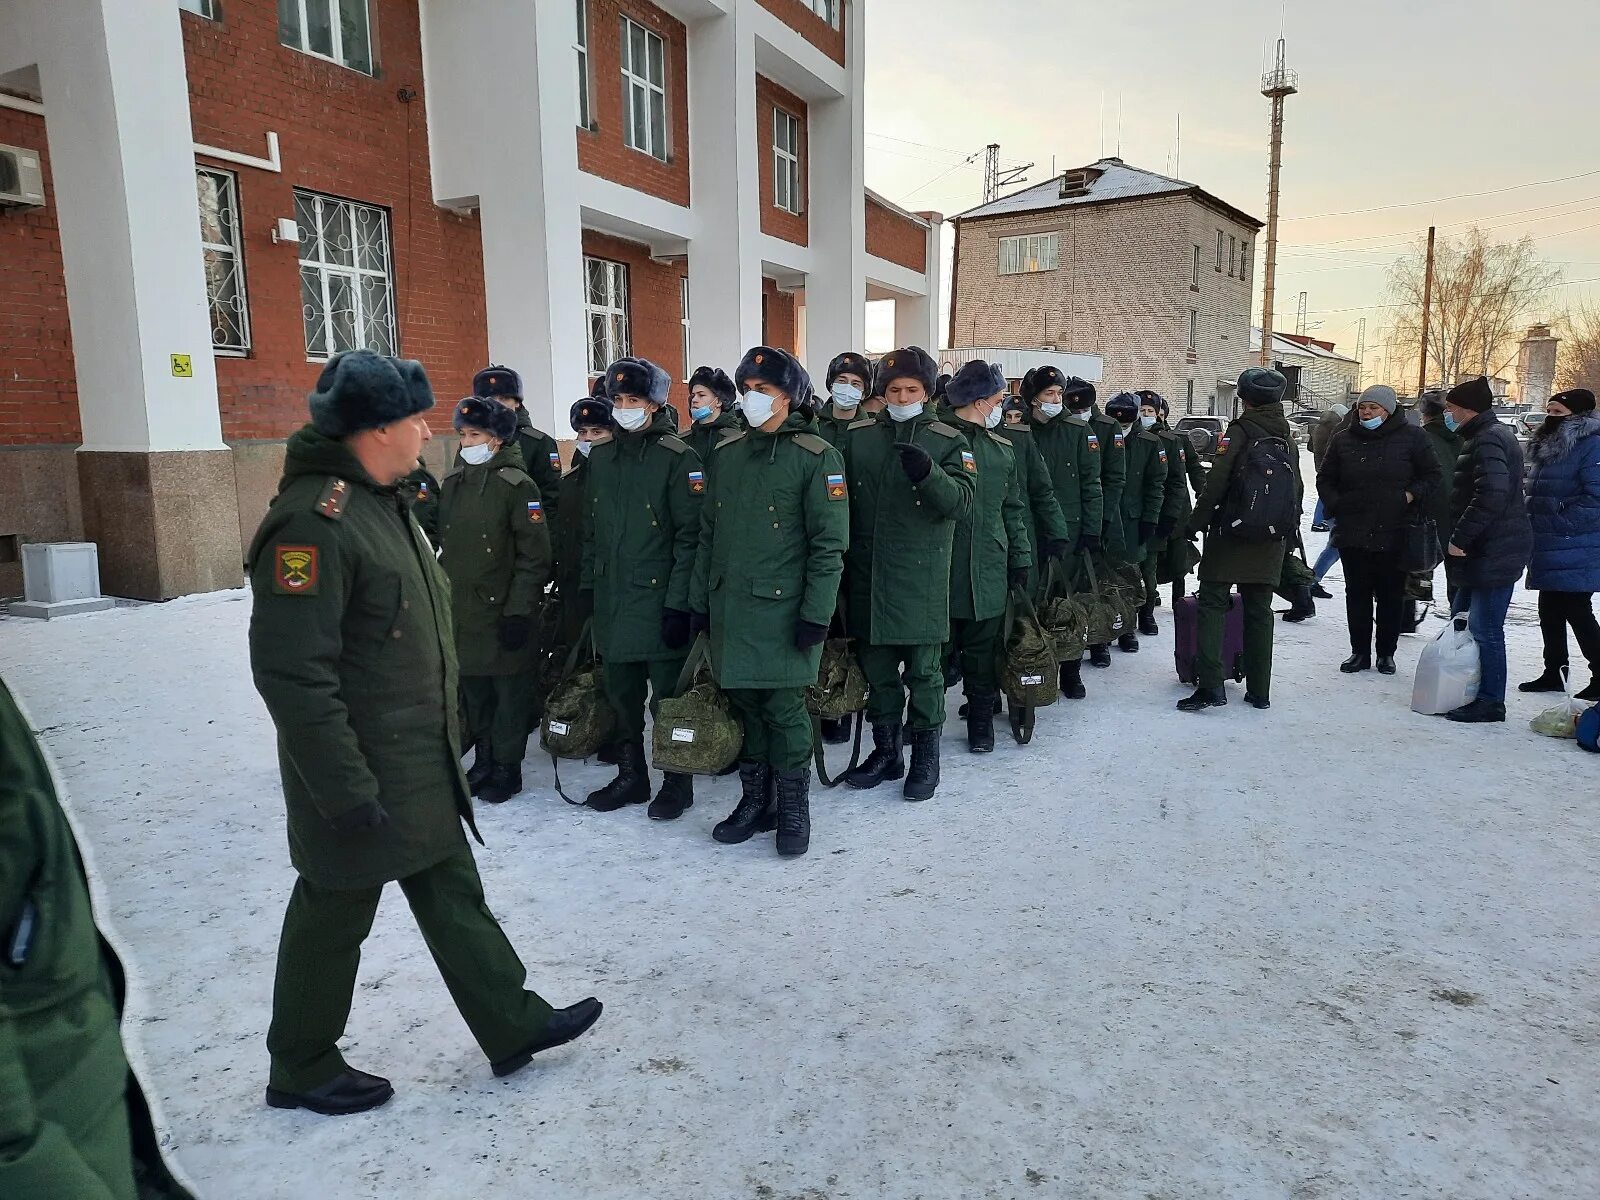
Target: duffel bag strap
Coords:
[(818, 755)]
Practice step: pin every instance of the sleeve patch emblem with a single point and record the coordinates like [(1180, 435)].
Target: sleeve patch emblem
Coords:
[(1163, 454), (1094, 443), (1222, 444), (296, 571), (697, 482), (422, 490), (535, 511), (555, 460), (836, 487), (970, 463), (1121, 444)]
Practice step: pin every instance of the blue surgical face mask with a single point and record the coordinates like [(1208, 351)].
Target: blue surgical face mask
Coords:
[(1147, 421), (1081, 416), (1050, 408), (993, 418), (1372, 422), (477, 455), (845, 395), (1450, 422), (700, 414), (904, 412), (631, 419)]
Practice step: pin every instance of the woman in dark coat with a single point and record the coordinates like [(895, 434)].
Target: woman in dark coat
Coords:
[(1564, 507), (1375, 474)]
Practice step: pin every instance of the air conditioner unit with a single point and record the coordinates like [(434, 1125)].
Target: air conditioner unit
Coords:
[(21, 180)]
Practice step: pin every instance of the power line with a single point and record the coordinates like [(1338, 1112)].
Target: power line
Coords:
[(1443, 199), (1407, 304), (964, 162)]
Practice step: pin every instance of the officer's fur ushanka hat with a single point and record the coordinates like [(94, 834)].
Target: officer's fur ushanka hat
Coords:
[(716, 379), (780, 369), (637, 377), (361, 389), (909, 362), (479, 412), (976, 380)]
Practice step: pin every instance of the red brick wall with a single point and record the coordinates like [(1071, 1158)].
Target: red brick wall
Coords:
[(655, 307), (891, 236), (776, 221), (778, 325), (601, 150), (38, 391), (799, 16)]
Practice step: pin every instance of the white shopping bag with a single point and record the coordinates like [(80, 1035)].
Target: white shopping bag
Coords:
[(1448, 672), (1561, 721)]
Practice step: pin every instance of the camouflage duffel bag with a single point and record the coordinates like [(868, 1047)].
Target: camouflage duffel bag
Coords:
[(696, 732), (1125, 590), (1065, 620), (578, 719), (1028, 663), (841, 686), (1105, 618)]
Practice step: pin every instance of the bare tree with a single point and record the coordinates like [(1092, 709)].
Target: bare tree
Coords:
[(1483, 294), (1579, 365)]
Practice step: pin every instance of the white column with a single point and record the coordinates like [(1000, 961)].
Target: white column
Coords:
[(116, 99), (725, 257), (836, 290)]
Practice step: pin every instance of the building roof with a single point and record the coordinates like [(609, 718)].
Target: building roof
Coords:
[(926, 221), (1286, 347), (1108, 181)]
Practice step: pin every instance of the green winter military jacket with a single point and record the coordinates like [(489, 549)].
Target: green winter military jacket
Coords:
[(773, 533), (68, 1101), (897, 571), (1144, 487), (353, 651), (831, 422), (1113, 473), (566, 529), (703, 439), (495, 547), (421, 491), (1072, 454), (541, 459), (640, 536), (1041, 510), (992, 537), (1183, 472), (1227, 559)]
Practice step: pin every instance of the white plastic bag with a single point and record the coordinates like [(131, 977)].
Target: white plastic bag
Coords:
[(1562, 720), (1448, 672)]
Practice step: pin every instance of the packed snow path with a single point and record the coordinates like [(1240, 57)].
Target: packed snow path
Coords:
[(1332, 950)]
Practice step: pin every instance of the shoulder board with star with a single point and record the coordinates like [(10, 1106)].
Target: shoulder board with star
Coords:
[(674, 443), (729, 439), (332, 500), (811, 442), (943, 430), (514, 475)]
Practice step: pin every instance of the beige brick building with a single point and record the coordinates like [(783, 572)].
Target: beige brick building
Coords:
[(1151, 273)]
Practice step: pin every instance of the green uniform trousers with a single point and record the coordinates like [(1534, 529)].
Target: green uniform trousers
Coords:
[(499, 710), (1147, 568), (321, 949), (777, 727), (978, 643), (1215, 599), (627, 685), (923, 678)]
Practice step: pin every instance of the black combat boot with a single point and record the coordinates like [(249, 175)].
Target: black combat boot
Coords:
[(1128, 643), (1203, 699), (887, 760), (996, 708), (1147, 621), (794, 811), (923, 777), (610, 754), (504, 782), (835, 730), (632, 784), (481, 767), (1255, 701), (1072, 680), (1302, 606), (757, 810), (674, 799), (980, 725), (1099, 656), (1550, 681)]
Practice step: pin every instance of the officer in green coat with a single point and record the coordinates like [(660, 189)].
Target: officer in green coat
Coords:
[(848, 381), (74, 1124), (1174, 553), (421, 491), (711, 411), (991, 552), (1143, 494), (590, 419), (773, 532), (1227, 560), (541, 457), (1073, 454), (353, 652), (495, 546), (910, 480), (639, 540)]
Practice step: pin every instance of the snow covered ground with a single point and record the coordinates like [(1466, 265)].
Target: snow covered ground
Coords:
[(1332, 950)]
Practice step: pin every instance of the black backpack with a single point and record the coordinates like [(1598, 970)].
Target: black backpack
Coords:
[(1262, 504)]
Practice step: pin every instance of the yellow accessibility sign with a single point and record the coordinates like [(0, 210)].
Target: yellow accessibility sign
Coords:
[(182, 367)]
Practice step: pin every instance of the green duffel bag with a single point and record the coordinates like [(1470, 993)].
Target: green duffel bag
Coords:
[(1064, 619), (841, 687), (696, 732), (1105, 618), (578, 719), (1028, 662), (1124, 588)]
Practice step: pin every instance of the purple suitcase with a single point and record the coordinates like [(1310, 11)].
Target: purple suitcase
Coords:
[(1186, 638)]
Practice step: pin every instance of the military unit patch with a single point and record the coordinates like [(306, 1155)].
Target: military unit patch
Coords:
[(555, 460), (1163, 455), (1094, 443), (295, 571), (535, 511), (1222, 444), (970, 463), (1121, 443), (697, 482), (422, 490), (836, 487)]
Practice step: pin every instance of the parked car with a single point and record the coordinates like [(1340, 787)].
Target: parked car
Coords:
[(1528, 424), (1202, 433)]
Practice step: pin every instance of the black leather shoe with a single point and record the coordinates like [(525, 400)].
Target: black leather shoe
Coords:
[(1478, 712), (1128, 643), (1255, 701), (1318, 592), (564, 1025), (350, 1091), (1356, 662), (1099, 656), (1386, 664), (757, 810), (1592, 692), (503, 783), (1550, 681), (1203, 699), (1072, 680)]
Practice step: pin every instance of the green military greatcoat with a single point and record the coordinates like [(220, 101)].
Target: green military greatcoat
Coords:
[(1042, 515), (541, 459), (1072, 454), (421, 491), (992, 537), (703, 439), (353, 652), (566, 547), (1228, 559), (1144, 487), (832, 422), (1113, 473)]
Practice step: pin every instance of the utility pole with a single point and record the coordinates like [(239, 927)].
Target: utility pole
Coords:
[(1427, 306), (1300, 317), (1277, 85), (994, 178), (1361, 351)]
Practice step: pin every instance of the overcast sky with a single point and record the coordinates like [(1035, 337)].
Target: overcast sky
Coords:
[(1399, 105)]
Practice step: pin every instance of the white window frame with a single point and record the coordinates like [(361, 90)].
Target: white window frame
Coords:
[(655, 93), (580, 51), (1194, 329), (612, 307), (336, 32), (200, 8), (1194, 278), (1220, 236), (229, 251), (326, 270), (786, 162), (831, 11), (1029, 253), (683, 308)]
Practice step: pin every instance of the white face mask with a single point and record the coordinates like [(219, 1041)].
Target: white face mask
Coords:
[(994, 417), (904, 412), (477, 455), (1082, 418), (1051, 408), (1147, 422), (585, 448), (757, 408), (846, 395), (631, 419)]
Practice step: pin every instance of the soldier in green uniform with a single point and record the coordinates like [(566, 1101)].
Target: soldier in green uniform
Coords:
[(591, 422), (1080, 397), (991, 551), (711, 411), (1254, 566), (772, 538), (421, 491), (541, 457), (910, 479), (495, 546), (1143, 494), (1172, 557), (640, 535), (849, 378), (1048, 535), (352, 650), (1072, 455), (74, 1124)]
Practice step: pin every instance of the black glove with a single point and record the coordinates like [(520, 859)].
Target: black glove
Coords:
[(514, 632), (699, 623), (1147, 530), (1055, 547), (1164, 528), (1089, 542), (1017, 577), (363, 818), (808, 634), (674, 628), (915, 461)]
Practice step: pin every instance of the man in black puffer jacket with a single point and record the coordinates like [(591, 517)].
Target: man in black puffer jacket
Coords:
[(1491, 539), (1372, 475)]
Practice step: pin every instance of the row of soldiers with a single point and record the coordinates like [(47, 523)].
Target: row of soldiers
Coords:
[(899, 512)]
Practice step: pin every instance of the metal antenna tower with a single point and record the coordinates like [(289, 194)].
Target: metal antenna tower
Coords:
[(1277, 85)]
